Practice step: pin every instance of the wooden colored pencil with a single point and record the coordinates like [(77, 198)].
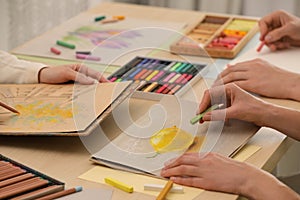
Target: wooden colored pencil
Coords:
[(40, 193), (61, 193), (9, 108), (14, 173), (15, 179), (165, 190), (22, 187)]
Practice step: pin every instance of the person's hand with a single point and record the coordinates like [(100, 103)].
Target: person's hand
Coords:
[(215, 172), (208, 171), (280, 30), (238, 103), (74, 72), (263, 78)]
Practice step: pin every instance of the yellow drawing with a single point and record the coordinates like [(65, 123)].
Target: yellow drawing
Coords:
[(171, 139)]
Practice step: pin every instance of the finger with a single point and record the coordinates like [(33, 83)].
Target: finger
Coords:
[(216, 115), (83, 79), (185, 159), (205, 102), (276, 34), (91, 73), (181, 170), (188, 181)]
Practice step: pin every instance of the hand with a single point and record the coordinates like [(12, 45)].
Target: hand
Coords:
[(214, 172), (75, 72), (263, 78), (239, 105), (208, 171), (280, 30)]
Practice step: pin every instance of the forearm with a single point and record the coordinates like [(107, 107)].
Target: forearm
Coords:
[(282, 119), (261, 185), (293, 88)]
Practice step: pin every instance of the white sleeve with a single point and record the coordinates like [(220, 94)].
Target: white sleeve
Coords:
[(13, 70)]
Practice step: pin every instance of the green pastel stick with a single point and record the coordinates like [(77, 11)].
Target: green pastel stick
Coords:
[(65, 44), (199, 116)]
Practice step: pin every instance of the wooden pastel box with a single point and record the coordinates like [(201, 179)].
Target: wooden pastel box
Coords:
[(216, 36), (159, 77)]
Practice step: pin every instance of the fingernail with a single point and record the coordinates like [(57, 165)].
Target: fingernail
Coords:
[(268, 38)]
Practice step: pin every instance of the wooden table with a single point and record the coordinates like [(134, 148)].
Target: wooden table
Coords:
[(65, 158)]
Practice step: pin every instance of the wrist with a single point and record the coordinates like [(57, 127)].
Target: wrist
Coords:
[(40, 77)]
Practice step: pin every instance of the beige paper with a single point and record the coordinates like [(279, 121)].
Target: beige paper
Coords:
[(46, 108)]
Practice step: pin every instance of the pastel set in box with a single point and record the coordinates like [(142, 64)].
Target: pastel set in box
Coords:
[(159, 76), (18, 181), (216, 36)]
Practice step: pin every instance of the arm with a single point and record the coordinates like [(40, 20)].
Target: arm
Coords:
[(261, 77), (244, 106), (280, 30), (214, 172), (13, 70)]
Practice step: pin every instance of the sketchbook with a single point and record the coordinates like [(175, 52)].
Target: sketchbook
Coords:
[(64, 109), (138, 148)]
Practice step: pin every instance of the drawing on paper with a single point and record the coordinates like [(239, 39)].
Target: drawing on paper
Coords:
[(103, 38), (171, 139)]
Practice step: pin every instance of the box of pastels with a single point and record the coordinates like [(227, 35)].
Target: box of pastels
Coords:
[(18, 181), (216, 36), (159, 77)]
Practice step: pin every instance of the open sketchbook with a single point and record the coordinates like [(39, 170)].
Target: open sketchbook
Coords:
[(65, 109), (137, 149)]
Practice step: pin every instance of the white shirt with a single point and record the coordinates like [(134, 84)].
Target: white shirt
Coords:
[(13, 70)]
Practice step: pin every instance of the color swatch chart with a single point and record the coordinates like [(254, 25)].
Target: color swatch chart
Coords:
[(20, 182), (160, 76)]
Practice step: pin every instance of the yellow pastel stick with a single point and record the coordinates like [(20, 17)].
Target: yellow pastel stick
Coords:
[(119, 185)]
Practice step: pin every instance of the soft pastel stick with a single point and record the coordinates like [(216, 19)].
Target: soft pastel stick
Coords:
[(56, 51), (113, 79), (148, 78), (172, 80), (180, 79), (175, 89), (162, 88), (151, 87), (146, 74), (168, 67), (260, 46), (185, 80), (99, 18), (157, 187), (65, 44), (160, 74), (169, 77), (175, 66), (199, 116), (87, 57), (180, 68), (141, 73), (135, 72), (119, 185)]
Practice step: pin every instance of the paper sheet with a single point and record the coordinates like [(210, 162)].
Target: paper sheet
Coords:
[(115, 43), (90, 194), (98, 173), (46, 108)]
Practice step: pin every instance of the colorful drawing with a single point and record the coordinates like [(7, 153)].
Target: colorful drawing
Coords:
[(97, 36), (39, 113), (171, 139)]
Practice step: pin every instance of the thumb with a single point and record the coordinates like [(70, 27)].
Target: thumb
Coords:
[(276, 34)]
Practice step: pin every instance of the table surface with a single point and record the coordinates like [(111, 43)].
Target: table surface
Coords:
[(65, 158)]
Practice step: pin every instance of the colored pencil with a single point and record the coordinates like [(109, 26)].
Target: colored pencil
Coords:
[(22, 187), (61, 193), (9, 108), (40, 193), (15, 179), (165, 190)]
